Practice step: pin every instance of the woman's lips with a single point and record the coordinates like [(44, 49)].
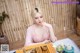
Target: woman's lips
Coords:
[(40, 22)]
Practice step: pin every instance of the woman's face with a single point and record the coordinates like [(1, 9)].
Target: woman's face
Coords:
[(38, 19)]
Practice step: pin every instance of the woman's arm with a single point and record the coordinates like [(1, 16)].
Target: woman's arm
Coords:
[(28, 39), (52, 36)]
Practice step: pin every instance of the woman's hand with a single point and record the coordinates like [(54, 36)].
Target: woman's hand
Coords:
[(49, 27), (46, 41), (54, 39)]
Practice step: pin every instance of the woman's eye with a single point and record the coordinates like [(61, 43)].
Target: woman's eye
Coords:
[(36, 18), (41, 16)]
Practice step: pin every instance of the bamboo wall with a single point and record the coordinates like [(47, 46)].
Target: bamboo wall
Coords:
[(78, 26), (61, 16)]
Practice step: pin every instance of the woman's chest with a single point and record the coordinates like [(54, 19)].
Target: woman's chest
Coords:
[(40, 34)]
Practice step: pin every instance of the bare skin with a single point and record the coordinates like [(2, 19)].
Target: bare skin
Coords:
[(39, 32)]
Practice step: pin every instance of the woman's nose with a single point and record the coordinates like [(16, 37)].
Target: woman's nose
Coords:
[(39, 19)]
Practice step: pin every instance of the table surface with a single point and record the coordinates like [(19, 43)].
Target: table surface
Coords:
[(67, 41)]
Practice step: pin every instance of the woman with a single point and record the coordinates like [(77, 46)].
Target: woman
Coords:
[(40, 31)]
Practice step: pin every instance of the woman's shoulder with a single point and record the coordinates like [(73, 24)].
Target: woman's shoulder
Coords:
[(48, 25), (30, 27)]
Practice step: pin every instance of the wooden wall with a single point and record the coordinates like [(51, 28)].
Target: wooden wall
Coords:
[(62, 17)]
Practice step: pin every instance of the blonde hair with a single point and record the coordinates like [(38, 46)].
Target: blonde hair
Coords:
[(34, 11)]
